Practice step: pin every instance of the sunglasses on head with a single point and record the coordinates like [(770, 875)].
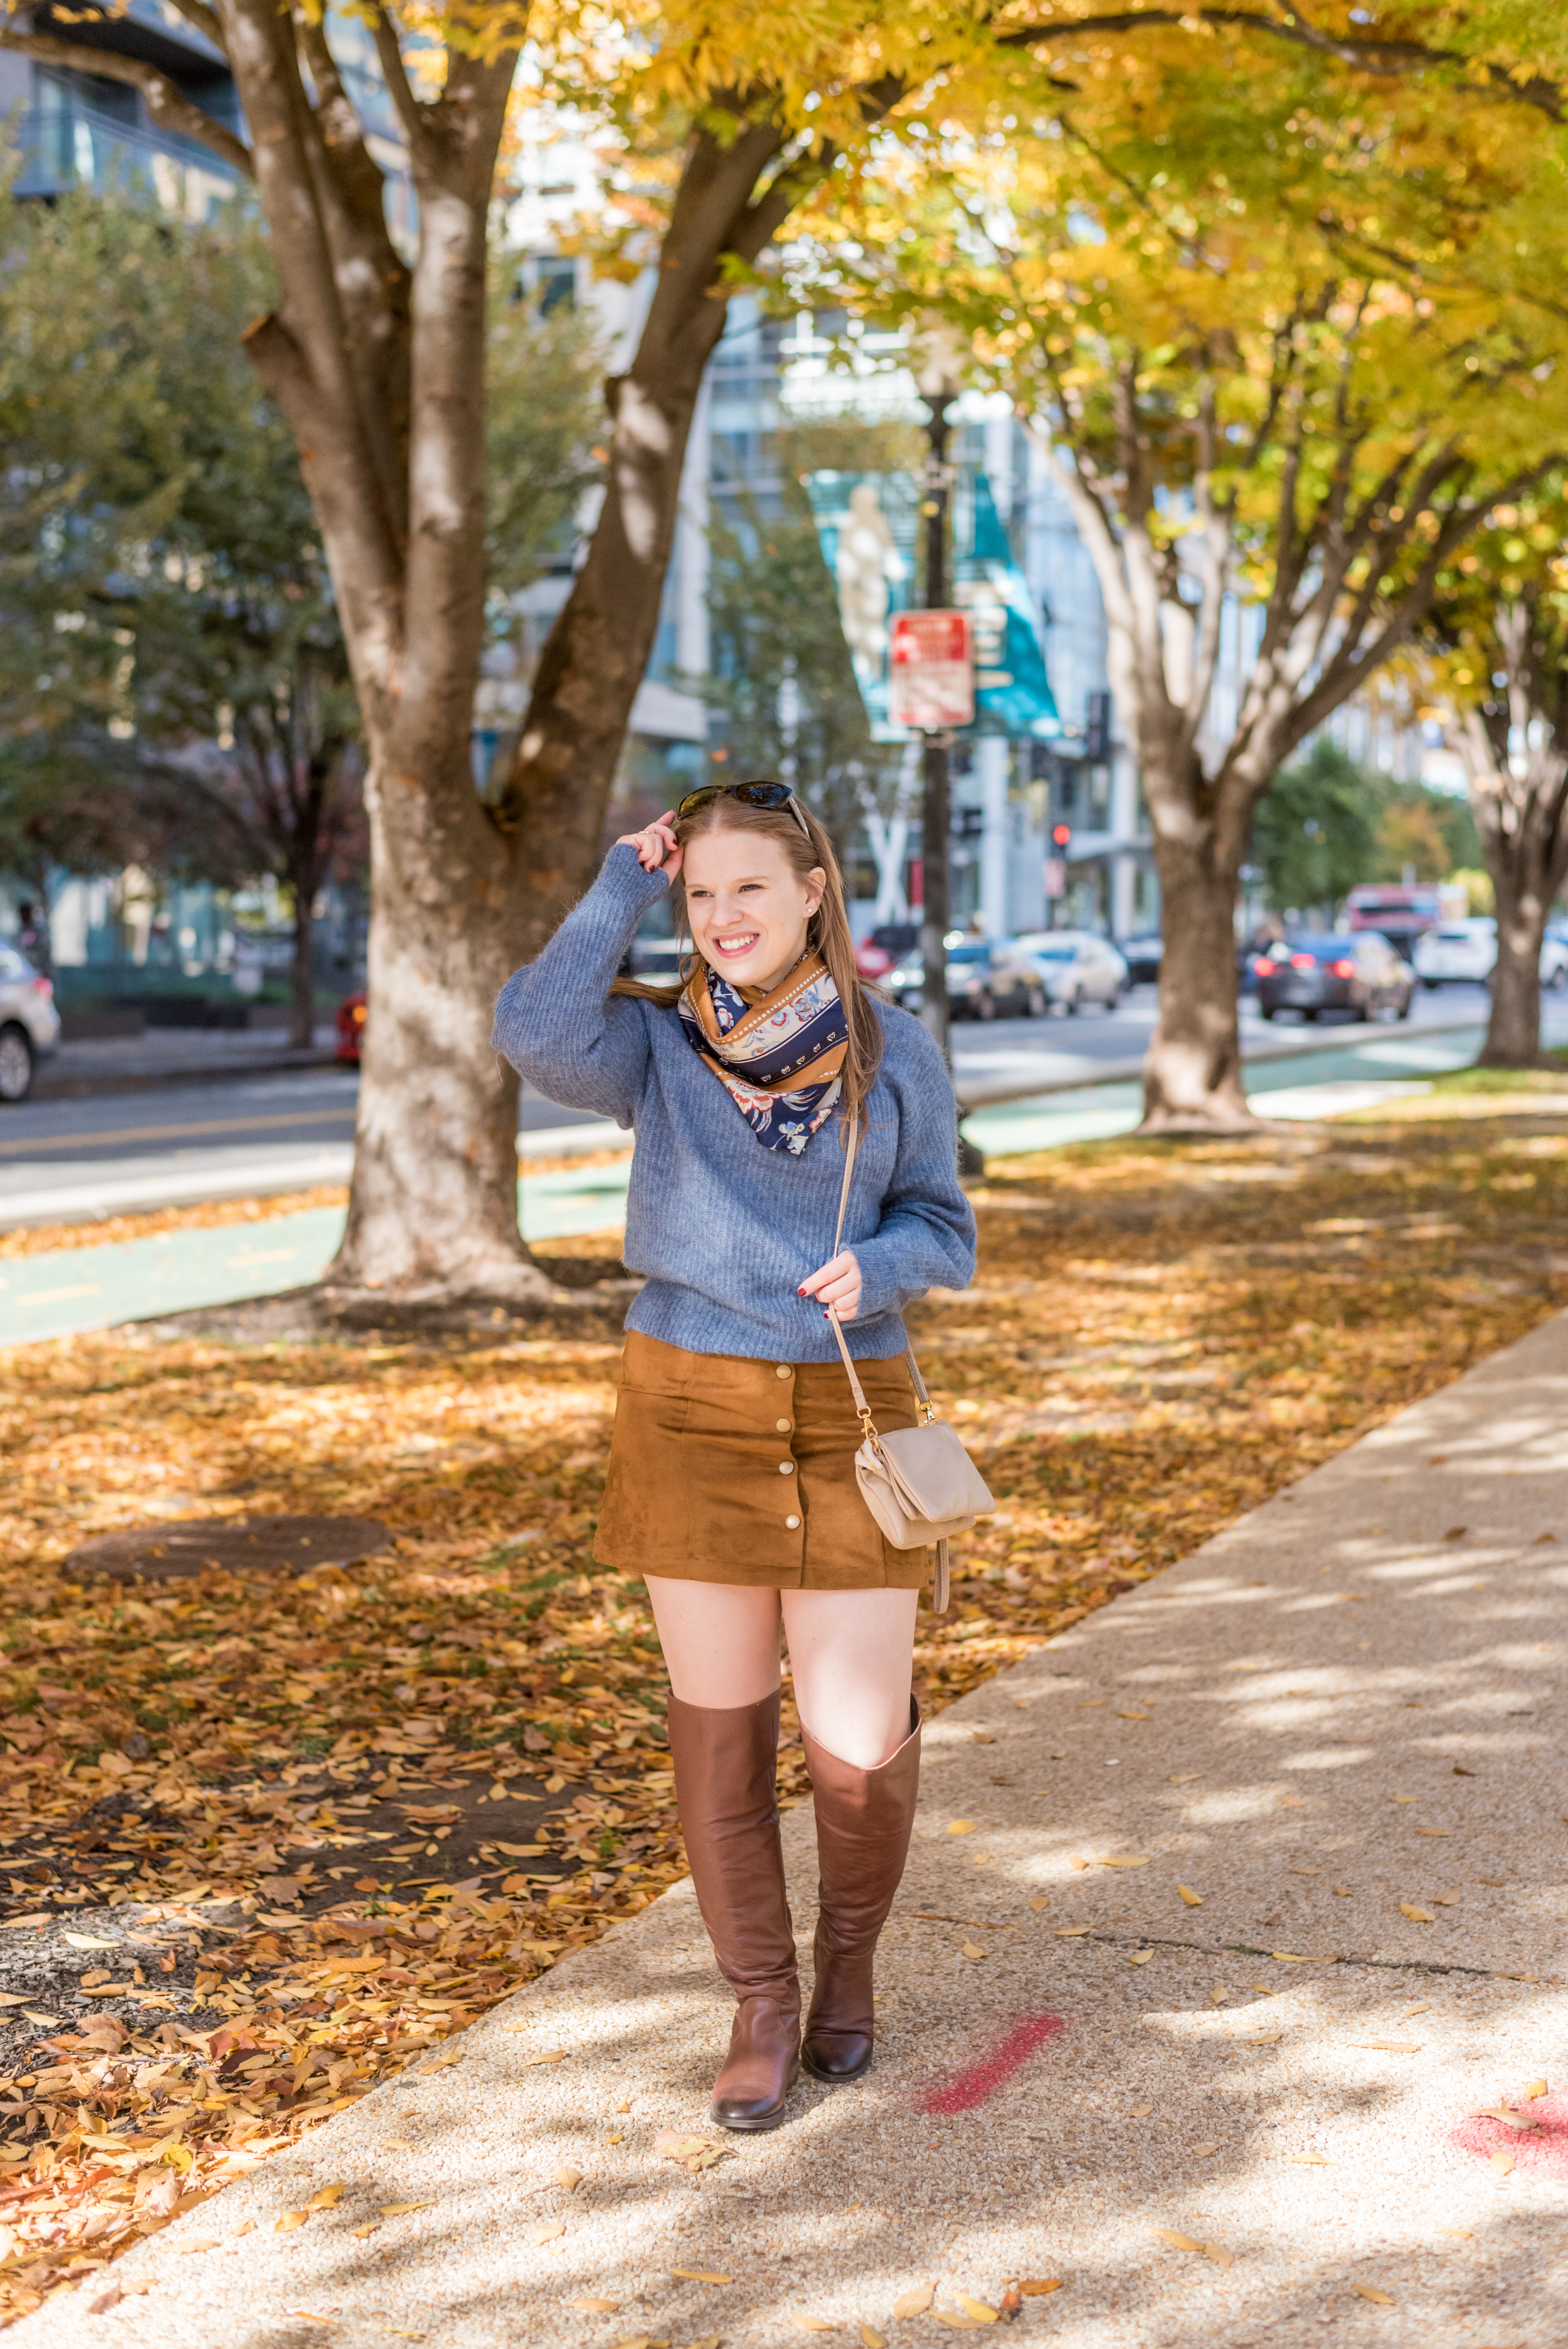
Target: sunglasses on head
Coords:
[(757, 795)]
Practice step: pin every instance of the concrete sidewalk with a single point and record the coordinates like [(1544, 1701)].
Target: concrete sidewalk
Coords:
[(1251, 2108)]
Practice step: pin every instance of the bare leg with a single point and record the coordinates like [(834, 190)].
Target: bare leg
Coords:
[(720, 1642), (850, 1652)]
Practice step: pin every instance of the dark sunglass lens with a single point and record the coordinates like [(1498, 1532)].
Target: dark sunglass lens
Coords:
[(699, 798), (764, 795)]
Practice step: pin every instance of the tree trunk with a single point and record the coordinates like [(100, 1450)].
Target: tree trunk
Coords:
[(433, 1215), (302, 975), (1192, 1071), (1513, 1025)]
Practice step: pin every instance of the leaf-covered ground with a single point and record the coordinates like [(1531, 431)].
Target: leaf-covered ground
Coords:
[(267, 1842)]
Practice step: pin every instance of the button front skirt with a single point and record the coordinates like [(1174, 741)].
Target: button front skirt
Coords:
[(705, 1485)]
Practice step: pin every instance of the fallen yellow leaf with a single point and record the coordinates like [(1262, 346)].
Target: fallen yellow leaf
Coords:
[(961, 1826), (328, 2195), (1500, 2113), (1310, 2160), (1065, 1932), (1039, 1902), (916, 2301), (1176, 2243), (972, 1950), (395, 2209), (1422, 2006), (811, 2324), (1139, 2112), (1390, 2046), (1140, 1957), (1370, 2291), (981, 2309), (700, 2276), (569, 2177), (871, 2339), (547, 2228), (290, 2221), (1138, 1859), (597, 2307), (1502, 2162), (1220, 2253), (1032, 2287), (1262, 2038), (363, 2231), (1417, 1916), (551, 2055), (1193, 1900), (89, 1941), (1218, 1994), (1536, 2088), (1212, 2147)]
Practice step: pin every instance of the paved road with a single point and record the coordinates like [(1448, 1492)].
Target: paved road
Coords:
[(1221, 2002), (52, 1294), (173, 1143), (79, 1159)]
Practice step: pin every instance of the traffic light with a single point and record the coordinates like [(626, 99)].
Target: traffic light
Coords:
[(1061, 838)]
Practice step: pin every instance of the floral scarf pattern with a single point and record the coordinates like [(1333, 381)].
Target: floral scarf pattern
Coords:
[(780, 1060)]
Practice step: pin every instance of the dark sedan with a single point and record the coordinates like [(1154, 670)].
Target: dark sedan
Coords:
[(1361, 975)]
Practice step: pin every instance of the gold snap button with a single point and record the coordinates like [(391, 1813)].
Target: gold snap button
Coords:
[(786, 1467), (791, 1523), (782, 1425), (781, 1369)]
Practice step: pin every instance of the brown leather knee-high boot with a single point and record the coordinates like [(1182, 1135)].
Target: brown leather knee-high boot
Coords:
[(863, 1821), (728, 1791)]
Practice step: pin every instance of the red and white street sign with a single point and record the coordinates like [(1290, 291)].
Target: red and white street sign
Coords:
[(931, 673)]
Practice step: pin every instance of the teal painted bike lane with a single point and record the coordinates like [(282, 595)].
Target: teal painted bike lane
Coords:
[(62, 1292)]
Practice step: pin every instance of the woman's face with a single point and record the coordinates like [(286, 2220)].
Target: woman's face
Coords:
[(747, 905)]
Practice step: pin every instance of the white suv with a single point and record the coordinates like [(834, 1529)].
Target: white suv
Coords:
[(1466, 951), (29, 1023)]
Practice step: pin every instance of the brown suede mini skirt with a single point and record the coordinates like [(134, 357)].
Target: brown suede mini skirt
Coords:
[(727, 1470)]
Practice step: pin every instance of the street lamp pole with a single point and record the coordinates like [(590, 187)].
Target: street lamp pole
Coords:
[(938, 390)]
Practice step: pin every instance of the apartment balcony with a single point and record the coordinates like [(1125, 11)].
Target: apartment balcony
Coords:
[(68, 144)]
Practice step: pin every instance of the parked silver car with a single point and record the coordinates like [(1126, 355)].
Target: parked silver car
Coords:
[(29, 1023), (1076, 966)]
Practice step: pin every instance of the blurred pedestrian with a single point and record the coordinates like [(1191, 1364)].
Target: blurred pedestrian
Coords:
[(32, 938)]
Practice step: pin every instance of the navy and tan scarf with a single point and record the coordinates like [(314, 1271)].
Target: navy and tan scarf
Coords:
[(780, 1060)]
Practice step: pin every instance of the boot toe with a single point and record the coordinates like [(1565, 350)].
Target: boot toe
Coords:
[(838, 2058)]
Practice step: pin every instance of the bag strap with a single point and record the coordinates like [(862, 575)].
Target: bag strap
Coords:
[(928, 1408)]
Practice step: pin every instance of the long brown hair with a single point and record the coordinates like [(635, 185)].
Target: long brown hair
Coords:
[(827, 933)]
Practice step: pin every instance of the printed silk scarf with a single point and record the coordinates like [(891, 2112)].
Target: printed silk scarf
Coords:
[(780, 1060)]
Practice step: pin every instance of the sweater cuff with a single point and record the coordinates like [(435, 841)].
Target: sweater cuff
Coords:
[(881, 1289), (623, 879)]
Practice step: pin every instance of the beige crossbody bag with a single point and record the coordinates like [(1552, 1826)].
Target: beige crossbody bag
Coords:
[(919, 1483)]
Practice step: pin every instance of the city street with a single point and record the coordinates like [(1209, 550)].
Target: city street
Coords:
[(173, 1144)]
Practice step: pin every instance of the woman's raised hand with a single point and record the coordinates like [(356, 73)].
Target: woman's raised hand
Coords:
[(837, 1284), (656, 845)]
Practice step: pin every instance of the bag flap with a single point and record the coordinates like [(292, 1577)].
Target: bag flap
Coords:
[(937, 1475)]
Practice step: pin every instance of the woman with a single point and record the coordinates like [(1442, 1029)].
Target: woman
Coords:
[(731, 1486)]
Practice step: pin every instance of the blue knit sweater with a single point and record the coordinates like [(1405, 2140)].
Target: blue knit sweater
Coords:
[(724, 1229)]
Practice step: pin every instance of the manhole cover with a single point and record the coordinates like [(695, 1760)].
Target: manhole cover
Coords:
[(184, 1546)]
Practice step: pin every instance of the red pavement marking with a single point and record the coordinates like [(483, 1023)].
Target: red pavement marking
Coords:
[(1542, 2148), (968, 2088)]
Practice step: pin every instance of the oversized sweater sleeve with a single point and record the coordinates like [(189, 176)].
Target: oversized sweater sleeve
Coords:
[(925, 1238), (555, 1018)]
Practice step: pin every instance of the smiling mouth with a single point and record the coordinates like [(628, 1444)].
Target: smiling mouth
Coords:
[(742, 944)]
